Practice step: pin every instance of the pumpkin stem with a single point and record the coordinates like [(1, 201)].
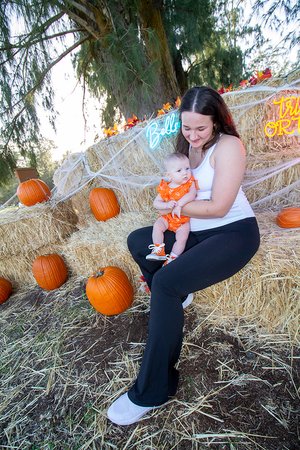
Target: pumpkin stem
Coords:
[(99, 273)]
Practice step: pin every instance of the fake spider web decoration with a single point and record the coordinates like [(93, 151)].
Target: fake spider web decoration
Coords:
[(130, 163)]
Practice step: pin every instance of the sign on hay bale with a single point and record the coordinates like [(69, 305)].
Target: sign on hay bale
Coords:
[(283, 115)]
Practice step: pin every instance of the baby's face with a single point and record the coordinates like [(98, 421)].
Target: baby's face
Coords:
[(178, 170)]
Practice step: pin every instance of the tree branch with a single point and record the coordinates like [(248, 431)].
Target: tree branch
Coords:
[(44, 26), (83, 23), (38, 84), (46, 38), (95, 14), (85, 11)]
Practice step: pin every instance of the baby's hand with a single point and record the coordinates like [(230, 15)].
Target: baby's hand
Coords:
[(171, 204), (176, 211)]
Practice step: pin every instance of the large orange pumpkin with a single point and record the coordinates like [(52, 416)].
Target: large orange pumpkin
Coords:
[(109, 291), (33, 191), (5, 290), (104, 203), (288, 218), (49, 271)]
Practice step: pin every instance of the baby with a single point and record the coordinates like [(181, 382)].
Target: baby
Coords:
[(173, 194)]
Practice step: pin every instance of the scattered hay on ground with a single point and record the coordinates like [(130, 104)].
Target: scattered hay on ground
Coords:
[(62, 364)]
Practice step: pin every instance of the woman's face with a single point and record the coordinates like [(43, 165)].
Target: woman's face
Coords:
[(196, 128)]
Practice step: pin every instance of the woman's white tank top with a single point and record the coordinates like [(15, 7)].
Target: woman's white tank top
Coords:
[(240, 209)]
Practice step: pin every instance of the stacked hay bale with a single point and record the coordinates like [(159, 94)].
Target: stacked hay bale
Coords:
[(266, 291), (26, 233), (124, 163), (273, 161), (105, 243)]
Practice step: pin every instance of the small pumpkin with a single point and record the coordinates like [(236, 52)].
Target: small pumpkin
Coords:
[(288, 218), (109, 291), (5, 290), (104, 203), (49, 271), (33, 191)]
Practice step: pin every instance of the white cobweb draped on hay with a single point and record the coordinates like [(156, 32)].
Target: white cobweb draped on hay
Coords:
[(130, 163)]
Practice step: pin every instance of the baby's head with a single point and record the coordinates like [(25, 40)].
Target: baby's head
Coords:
[(177, 167)]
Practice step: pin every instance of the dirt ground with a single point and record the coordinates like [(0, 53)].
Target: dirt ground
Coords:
[(62, 363)]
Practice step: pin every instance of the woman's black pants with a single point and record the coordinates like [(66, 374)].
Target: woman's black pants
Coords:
[(210, 256)]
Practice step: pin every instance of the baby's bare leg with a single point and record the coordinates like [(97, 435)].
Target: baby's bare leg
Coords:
[(159, 227), (181, 235)]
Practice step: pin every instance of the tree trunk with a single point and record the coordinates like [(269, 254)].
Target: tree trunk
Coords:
[(136, 96), (167, 88), (181, 75)]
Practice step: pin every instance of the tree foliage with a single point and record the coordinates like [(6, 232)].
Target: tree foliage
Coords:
[(43, 162), (279, 15), (138, 53)]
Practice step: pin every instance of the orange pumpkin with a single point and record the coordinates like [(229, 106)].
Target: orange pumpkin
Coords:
[(104, 203), (109, 291), (49, 271), (33, 191), (5, 290), (288, 218)]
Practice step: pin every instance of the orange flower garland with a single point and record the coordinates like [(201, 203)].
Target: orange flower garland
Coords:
[(257, 77)]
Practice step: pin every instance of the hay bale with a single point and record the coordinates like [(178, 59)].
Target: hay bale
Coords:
[(81, 205), (105, 243), (253, 108), (266, 291), (18, 268), (249, 119), (128, 153), (285, 182), (133, 199), (27, 229), (70, 175), (125, 164)]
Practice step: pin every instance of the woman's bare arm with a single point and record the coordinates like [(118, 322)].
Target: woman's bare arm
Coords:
[(229, 164)]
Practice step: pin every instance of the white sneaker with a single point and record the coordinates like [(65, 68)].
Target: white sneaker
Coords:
[(157, 252), (188, 300), (124, 412)]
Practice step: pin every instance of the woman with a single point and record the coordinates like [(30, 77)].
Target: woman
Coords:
[(224, 237)]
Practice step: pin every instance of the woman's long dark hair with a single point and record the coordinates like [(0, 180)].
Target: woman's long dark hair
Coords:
[(205, 100)]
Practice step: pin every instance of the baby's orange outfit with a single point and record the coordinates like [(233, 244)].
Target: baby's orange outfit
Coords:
[(167, 193)]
